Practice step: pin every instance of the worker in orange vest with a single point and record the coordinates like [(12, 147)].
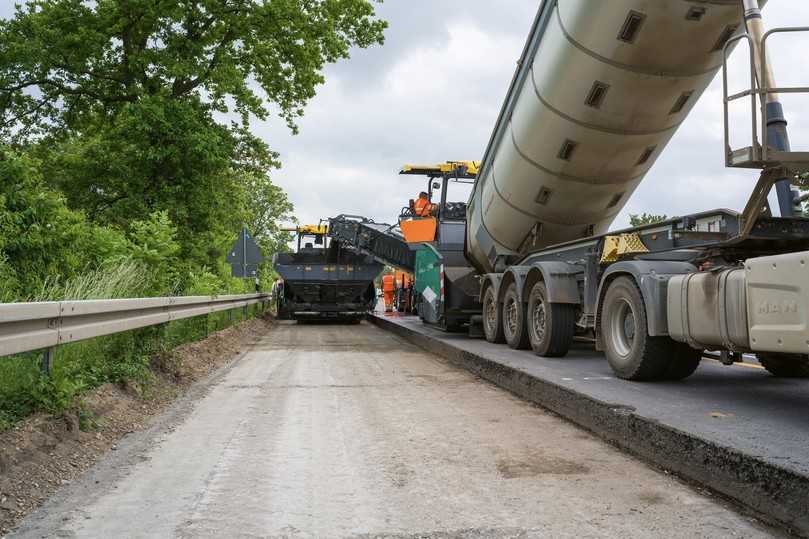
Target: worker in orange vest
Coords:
[(404, 285), (388, 291), (422, 207)]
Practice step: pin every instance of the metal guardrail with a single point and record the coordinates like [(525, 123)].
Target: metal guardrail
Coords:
[(25, 327)]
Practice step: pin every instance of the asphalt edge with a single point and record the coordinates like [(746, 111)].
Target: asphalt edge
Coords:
[(777, 495)]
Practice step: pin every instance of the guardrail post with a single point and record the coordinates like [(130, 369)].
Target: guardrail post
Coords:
[(47, 360)]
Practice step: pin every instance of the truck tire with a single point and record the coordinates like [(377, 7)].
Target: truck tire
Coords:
[(631, 352), (513, 317), (492, 326), (785, 365), (684, 362), (551, 326)]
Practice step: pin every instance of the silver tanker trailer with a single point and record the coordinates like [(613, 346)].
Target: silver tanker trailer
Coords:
[(600, 89)]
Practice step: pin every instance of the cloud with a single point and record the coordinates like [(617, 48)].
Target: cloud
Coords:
[(433, 92)]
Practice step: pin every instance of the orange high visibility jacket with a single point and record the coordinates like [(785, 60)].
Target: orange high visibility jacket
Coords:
[(422, 207), (388, 283)]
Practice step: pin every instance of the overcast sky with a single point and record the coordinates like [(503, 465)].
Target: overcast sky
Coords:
[(432, 93)]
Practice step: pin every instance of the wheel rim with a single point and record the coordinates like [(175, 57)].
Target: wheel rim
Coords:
[(511, 316), (491, 314), (539, 320), (623, 327)]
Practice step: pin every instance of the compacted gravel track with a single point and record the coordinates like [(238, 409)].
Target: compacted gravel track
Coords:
[(348, 431)]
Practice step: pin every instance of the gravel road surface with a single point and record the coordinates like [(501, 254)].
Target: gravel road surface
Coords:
[(347, 431)]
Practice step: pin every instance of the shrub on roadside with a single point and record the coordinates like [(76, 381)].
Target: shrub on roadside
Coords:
[(120, 359)]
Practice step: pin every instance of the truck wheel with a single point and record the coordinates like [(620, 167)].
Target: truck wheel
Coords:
[(632, 353), (492, 327), (551, 326), (684, 362), (785, 365), (513, 317)]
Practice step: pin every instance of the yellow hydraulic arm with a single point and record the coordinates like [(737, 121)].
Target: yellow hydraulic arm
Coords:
[(461, 169), (318, 230)]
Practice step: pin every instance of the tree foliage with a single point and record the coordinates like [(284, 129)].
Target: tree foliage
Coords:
[(127, 166), (645, 219), (64, 60), (157, 156), (41, 238), (127, 129), (802, 181)]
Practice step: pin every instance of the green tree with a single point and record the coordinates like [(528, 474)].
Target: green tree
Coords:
[(41, 239), (267, 208), (645, 219), (153, 243), (156, 156), (122, 102), (803, 185), (64, 60)]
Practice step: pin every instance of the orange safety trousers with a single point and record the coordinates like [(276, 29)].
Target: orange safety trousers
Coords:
[(388, 291)]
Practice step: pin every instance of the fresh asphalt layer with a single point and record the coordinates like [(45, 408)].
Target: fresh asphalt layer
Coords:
[(738, 430)]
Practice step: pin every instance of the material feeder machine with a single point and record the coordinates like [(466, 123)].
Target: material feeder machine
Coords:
[(324, 279), (426, 247)]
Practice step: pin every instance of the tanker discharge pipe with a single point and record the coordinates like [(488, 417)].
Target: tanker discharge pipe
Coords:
[(777, 133)]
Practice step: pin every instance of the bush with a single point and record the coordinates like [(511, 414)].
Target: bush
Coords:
[(118, 359), (153, 242), (41, 239)]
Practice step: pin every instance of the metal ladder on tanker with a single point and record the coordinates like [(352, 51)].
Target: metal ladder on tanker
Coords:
[(769, 150)]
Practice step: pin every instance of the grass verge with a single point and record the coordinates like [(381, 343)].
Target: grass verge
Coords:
[(122, 359)]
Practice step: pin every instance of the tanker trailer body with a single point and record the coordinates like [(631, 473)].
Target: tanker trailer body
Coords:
[(599, 91)]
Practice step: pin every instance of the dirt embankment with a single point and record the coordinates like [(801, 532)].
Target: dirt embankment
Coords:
[(44, 452)]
